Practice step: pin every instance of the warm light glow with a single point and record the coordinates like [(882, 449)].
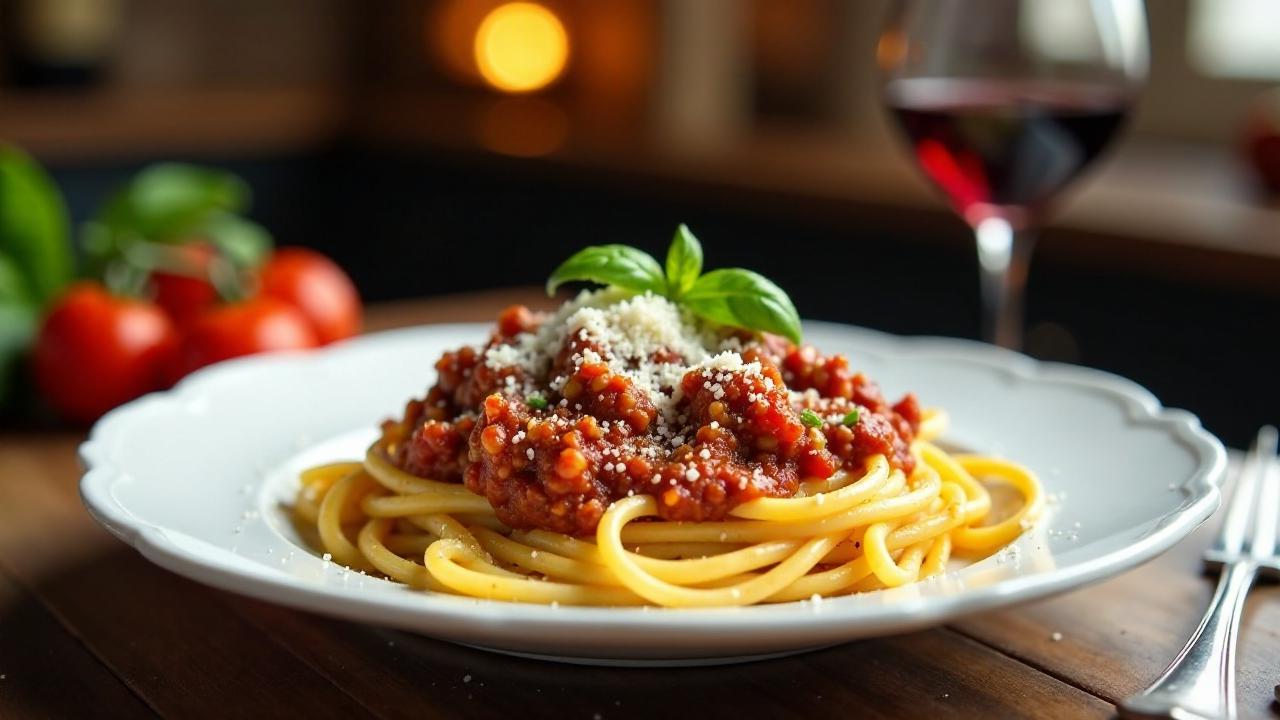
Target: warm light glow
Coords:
[(891, 50), (522, 126), (521, 47)]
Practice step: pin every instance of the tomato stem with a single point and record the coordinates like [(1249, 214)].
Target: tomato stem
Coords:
[(124, 279), (227, 279)]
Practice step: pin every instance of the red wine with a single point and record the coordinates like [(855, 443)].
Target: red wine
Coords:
[(1004, 147)]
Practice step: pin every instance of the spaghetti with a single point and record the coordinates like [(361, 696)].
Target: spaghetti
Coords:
[(626, 451), (852, 532)]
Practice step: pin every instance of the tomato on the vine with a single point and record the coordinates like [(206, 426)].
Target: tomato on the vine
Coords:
[(260, 324), (316, 286), (95, 351)]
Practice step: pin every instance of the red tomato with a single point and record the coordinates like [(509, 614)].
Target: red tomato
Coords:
[(261, 324), (184, 297), (315, 285), (96, 351)]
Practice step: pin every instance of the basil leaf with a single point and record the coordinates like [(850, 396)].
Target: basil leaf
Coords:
[(684, 262), (618, 265), (243, 242), (745, 299), (34, 230), (17, 321), (166, 202), (13, 286), (17, 330)]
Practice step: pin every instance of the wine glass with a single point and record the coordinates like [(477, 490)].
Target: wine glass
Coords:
[(1004, 102)]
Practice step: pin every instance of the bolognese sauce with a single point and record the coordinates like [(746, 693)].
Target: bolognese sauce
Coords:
[(560, 415)]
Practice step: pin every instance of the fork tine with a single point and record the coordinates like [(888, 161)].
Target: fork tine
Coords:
[(1263, 543), (1230, 540)]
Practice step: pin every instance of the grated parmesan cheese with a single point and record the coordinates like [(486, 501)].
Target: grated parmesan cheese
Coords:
[(629, 331)]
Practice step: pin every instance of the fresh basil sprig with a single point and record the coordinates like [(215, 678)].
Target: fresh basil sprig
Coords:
[(684, 262), (732, 296), (619, 265), (742, 298)]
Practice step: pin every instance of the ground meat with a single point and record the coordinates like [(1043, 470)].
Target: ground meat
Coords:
[(706, 479), (757, 408), (596, 392), (874, 433), (556, 458), (558, 470), (437, 450), (514, 320), (538, 473), (837, 391), (453, 373), (465, 381)]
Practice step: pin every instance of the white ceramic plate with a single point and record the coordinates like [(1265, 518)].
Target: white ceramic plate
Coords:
[(196, 479)]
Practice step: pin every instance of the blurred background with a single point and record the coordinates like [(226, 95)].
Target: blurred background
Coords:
[(435, 147)]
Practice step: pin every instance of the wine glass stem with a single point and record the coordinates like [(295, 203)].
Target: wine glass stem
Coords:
[(1003, 255)]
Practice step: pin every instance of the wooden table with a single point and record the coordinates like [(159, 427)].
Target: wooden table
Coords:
[(90, 629)]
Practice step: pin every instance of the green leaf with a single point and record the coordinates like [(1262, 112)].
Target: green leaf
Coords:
[(245, 243), (17, 321), (851, 418), (537, 402), (618, 265), (13, 286), (742, 298), (684, 262), (168, 201), (33, 225), (810, 418), (17, 328), (164, 203)]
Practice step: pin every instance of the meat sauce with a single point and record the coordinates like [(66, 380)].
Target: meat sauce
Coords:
[(554, 452)]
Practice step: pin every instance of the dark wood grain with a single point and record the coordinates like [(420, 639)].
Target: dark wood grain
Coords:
[(174, 643), (935, 673), (45, 672), (79, 604)]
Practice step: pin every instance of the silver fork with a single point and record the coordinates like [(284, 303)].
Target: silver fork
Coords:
[(1201, 682)]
